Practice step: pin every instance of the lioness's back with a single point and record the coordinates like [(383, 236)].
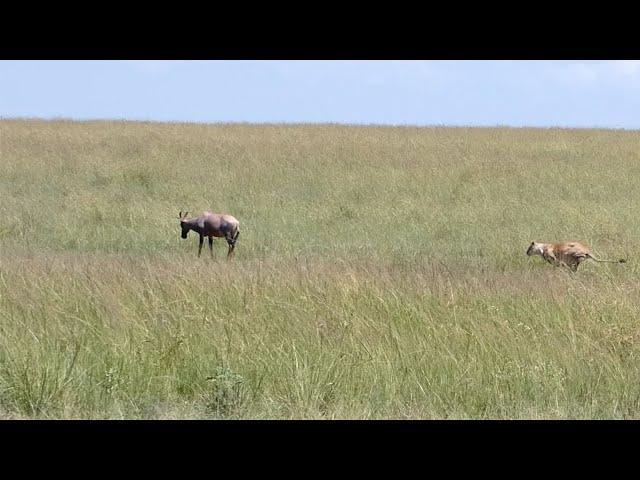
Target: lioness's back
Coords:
[(571, 248)]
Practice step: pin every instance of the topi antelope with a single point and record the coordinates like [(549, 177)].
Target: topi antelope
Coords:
[(212, 225)]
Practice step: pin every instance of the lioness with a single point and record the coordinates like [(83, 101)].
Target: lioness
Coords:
[(568, 254)]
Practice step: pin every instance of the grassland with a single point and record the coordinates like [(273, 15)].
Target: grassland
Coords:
[(380, 272)]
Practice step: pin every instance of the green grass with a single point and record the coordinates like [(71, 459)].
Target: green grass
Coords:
[(380, 272)]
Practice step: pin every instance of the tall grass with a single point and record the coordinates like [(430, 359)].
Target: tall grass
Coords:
[(380, 272)]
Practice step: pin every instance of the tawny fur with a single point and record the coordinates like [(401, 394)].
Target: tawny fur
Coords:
[(567, 254)]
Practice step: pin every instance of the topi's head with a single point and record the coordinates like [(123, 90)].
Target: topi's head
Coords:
[(184, 225)]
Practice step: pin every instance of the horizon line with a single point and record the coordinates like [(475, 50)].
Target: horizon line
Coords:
[(306, 123)]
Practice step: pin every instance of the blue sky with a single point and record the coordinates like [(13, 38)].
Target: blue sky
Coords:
[(477, 93)]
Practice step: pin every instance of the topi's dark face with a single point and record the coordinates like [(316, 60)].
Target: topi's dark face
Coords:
[(185, 229)]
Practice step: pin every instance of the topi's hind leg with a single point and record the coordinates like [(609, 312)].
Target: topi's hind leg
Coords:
[(231, 241), (211, 246), (232, 247)]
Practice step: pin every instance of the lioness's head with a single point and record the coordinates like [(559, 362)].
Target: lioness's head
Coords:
[(534, 249)]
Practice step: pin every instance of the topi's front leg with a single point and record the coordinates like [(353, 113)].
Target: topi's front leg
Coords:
[(200, 245)]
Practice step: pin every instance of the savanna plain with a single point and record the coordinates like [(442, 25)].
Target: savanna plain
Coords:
[(380, 272)]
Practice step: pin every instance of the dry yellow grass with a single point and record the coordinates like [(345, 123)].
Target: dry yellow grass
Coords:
[(380, 272)]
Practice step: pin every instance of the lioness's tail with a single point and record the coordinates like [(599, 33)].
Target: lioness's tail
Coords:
[(622, 260)]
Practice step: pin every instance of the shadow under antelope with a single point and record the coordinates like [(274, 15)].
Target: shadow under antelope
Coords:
[(212, 225)]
